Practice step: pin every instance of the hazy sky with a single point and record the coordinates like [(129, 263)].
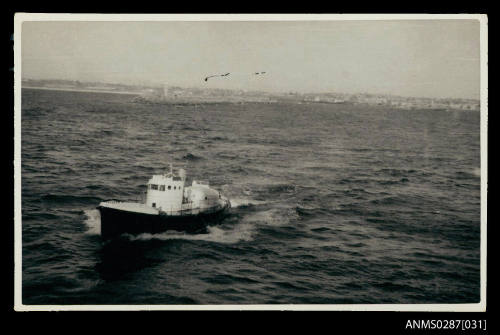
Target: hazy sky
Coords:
[(438, 58)]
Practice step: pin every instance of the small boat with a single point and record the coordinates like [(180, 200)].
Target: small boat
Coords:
[(170, 205)]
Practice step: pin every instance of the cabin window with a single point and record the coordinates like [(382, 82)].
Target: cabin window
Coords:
[(154, 186), (175, 187), (169, 187), (154, 204), (206, 198), (162, 187)]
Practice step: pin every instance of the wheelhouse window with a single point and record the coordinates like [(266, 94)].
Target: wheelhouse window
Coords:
[(154, 186), (169, 187), (162, 187)]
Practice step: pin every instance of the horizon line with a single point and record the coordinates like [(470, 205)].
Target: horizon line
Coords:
[(157, 85)]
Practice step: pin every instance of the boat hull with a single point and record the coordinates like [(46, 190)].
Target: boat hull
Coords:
[(115, 222)]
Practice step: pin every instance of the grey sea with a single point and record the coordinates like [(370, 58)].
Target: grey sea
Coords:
[(331, 203)]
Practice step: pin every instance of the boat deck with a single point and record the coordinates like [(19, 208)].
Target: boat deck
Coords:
[(130, 207)]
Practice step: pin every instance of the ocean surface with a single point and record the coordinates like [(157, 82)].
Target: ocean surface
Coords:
[(331, 203)]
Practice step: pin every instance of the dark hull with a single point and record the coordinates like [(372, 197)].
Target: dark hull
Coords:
[(115, 222)]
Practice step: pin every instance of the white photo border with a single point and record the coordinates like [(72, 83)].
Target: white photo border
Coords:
[(25, 17)]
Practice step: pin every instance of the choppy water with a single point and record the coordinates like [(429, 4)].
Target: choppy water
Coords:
[(331, 203)]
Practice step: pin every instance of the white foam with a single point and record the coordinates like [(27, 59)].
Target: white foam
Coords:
[(237, 233), (237, 202), (272, 217), (93, 221)]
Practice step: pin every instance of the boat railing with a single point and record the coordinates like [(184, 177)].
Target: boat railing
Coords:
[(112, 201), (201, 183), (211, 208)]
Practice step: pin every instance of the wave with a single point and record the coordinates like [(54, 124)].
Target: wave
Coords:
[(240, 202), (218, 138), (302, 211), (237, 233), (476, 172), (61, 198), (281, 188), (468, 174), (93, 221), (190, 157), (393, 182), (396, 172), (271, 217)]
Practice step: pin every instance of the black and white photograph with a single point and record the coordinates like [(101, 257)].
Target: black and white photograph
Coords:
[(250, 161)]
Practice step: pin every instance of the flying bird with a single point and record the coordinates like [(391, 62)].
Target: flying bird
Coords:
[(227, 74), (217, 75)]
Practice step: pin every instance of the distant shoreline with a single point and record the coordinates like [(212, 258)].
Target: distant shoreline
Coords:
[(78, 90), (205, 100)]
